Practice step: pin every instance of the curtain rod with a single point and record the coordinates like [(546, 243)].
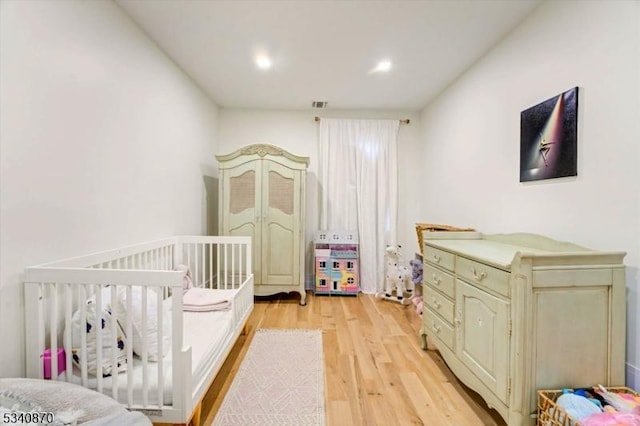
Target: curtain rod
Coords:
[(405, 121)]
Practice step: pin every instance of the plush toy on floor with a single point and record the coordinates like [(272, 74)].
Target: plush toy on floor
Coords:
[(397, 277), (418, 302)]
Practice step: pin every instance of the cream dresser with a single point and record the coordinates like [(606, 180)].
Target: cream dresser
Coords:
[(514, 313), (262, 195)]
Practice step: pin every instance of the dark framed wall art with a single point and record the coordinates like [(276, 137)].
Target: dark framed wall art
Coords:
[(549, 138)]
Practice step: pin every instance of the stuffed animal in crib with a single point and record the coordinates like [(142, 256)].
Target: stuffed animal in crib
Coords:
[(397, 276), (187, 282)]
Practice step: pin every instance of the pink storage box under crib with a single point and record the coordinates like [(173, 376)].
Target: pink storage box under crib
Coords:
[(62, 362)]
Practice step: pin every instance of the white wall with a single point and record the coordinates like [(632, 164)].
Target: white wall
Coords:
[(297, 132), (471, 135), (103, 142)]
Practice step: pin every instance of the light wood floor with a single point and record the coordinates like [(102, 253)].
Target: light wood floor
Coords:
[(375, 371)]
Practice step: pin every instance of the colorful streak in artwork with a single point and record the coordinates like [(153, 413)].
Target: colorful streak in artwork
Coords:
[(545, 152)]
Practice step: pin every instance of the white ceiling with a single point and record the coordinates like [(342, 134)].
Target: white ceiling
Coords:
[(323, 50)]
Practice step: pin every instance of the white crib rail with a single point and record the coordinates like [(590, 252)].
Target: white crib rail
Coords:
[(54, 291), (53, 294), (223, 263)]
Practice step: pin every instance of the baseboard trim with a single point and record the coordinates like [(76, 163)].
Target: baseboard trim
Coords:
[(633, 377)]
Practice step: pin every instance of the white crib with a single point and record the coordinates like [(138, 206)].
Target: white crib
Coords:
[(169, 390)]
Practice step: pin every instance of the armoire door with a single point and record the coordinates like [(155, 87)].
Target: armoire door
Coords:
[(242, 206), (280, 223)]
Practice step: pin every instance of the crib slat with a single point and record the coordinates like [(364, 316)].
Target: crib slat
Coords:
[(226, 266), (67, 326), (145, 348), (241, 273), (114, 344), (204, 263), (82, 296), (129, 332), (240, 265), (218, 266), (170, 259), (241, 276), (189, 261), (233, 265), (53, 320), (34, 302), (98, 327), (196, 270), (163, 263), (210, 265), (160, 349), (178, 368)]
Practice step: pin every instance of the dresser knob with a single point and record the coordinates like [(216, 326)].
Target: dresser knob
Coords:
[(435, 327), (436, 258), (436, 303), (436, 279), (479, 277)]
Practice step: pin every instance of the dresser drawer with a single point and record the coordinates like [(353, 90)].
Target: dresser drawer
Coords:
[(439, 280), (483, 275), (439, 304), (439, 257), (434, 326)]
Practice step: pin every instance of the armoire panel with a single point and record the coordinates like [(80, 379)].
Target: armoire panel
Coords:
[(243, 188)]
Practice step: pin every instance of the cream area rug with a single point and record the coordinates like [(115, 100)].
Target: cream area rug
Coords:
[(280, 381)]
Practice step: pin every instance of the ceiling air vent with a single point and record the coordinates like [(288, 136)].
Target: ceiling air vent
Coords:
[(319, 104)]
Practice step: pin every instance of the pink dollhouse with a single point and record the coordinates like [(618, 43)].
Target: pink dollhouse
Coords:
[(336, 263)]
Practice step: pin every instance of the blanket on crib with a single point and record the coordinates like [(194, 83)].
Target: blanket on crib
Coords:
[(205, 299)]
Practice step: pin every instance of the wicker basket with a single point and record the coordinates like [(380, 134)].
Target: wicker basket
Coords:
[(549, 414), (432, 227)]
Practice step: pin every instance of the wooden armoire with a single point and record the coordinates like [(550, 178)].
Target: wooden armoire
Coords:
[(262, 195)]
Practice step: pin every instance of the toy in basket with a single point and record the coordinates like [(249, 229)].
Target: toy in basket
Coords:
[(597, 406), (397, 278)]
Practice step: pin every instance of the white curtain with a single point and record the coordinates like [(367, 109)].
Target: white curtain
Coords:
[(358, 174)]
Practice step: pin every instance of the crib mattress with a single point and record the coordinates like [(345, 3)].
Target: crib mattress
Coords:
[(208, 334)]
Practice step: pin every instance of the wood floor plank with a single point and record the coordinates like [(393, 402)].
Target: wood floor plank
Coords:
[(336, 387), (428, 411), (395, 396), (349, 363), (339, 412), (376, 373)]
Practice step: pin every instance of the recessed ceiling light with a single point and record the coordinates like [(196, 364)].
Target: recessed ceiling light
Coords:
[(383, 66), (263, 62)]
